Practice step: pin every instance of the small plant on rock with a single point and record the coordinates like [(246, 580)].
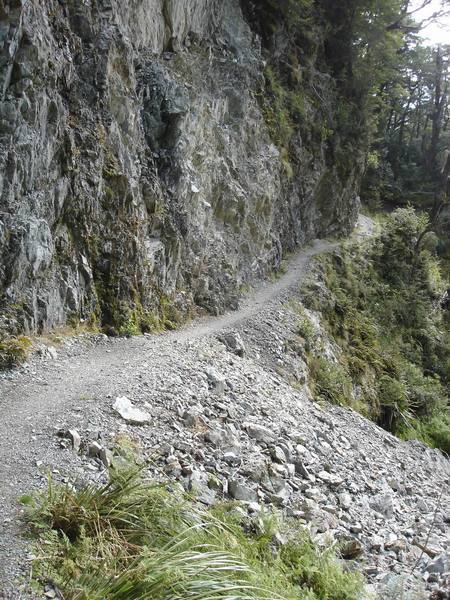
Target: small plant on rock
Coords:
[(330, 381)]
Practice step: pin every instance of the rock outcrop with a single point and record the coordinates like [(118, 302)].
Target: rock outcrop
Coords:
[(139, 171)]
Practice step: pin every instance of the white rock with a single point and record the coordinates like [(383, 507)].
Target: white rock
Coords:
[(345, 500), (130, 413), (75, 438), (216, 381), (52, 352), (94, 449)]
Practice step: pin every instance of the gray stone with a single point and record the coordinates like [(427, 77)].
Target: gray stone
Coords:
[(376, 542), (278, 454), (350, 548), (330, 478), (345, 500), (259, 433), (383, 504), (301, 470), (198, 484), (207, 497), (439, 565), (396, 545), (215, 437), (191, 417), (173, 466), (216, 381), (242, 492), (233, 342), (280, 498), (75, 438), (53, 353), (231, 458), (106, 456), (94, 449)]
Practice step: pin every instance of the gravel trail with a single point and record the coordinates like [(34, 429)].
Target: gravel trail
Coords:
[(35, 399)]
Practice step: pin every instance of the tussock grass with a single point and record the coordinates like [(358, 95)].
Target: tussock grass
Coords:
[(133, 540), (14, 351)]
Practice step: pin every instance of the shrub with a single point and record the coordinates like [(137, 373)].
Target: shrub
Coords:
[(434, 431), (383, 311), (305, 327), (394, 403)]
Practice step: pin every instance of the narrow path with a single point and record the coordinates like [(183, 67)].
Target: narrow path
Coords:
[(297, 268), (33, 403)]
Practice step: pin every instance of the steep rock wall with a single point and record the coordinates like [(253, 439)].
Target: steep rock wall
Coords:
[(139, 175)]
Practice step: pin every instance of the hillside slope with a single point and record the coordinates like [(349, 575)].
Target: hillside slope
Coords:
[(231, 416)]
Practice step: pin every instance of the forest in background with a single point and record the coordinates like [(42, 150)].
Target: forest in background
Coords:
[(392, 317), (394, 93)]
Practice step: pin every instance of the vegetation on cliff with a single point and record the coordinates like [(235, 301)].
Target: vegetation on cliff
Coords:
[(384, 309)]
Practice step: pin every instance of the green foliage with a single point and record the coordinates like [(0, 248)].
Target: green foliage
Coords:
[(409, 154), (383, 311), (434, 431), (305, 327), (284, 108), (401, 259), (317, 571), (129, 324), (131, 539), (394, 402), (330, 381), (14, 351), (134, 319)]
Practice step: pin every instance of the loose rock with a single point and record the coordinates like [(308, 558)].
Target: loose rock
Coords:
[(130, 413)]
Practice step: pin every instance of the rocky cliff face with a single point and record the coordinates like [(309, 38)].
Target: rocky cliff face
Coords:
[(141, 172)]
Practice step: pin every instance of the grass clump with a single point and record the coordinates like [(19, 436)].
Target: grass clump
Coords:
[(330, 381), (305, 327), (131, 539), (14, 351)]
